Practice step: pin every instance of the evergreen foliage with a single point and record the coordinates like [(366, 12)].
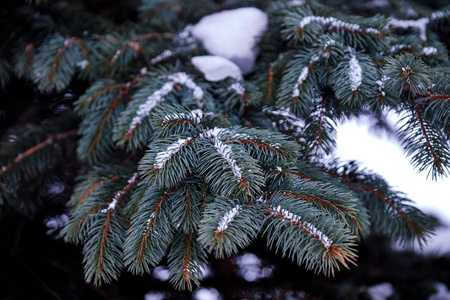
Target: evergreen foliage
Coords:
[(173, 166)]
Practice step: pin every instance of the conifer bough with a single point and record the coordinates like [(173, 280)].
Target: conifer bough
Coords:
[(176, 167)]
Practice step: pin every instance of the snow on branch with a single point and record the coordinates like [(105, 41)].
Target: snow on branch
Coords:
[(336, 24), (133, 45), (296, 122), (439, 15), (381, 85), (158, 97), (296, 221), (213, 133), (184, 79), (302, 77), (68, 42), (119, 194), (396, 48), (49, 141), (163, 56), (195, 115), (355, 73), (163, 156), (238, 88), (227, 218), (420, 24), (225, 151), (429, 51)]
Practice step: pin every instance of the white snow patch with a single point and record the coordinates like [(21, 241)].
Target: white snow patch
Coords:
[(300, 80), (213, 133), (225, 151), (152, 295), (238, 88), (161, 273), (184, 79), (442, 292), (380, 291), (439, 15), (429, 51), (56, 222), (355, 73), (164, 55), (227, 218), (203, 293), (194, 115), (420, 24), (83, 64), (216, 68), (310, 228), (296, 3), (163, 156), (396, 48), (116, 56), (381, 83), (233, 34)]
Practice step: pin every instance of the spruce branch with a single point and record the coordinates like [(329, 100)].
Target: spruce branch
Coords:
[(151, 232), (186, 258), (392, 214)]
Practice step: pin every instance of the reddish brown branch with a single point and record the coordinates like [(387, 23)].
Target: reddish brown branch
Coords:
[(315, 200), (150, 224), (361, 186), (87, 215), (188, 201), (105, 120), (102, 248), (431, 96), (50, 140), (68, 42), (299, 224), (119, 86), (133, 180), (437, 161), (178, 121), (301, 176), (186, 271), (376, 193), (9, 38), (29, 50), (133, 45), (269, 89), (310, 66), (92, 187), (84, 50), (257, 144), (155, 35)]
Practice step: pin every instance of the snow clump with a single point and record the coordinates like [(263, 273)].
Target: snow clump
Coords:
[(233, 35)]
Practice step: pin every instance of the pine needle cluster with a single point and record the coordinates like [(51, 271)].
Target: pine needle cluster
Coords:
[(175, 167)]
